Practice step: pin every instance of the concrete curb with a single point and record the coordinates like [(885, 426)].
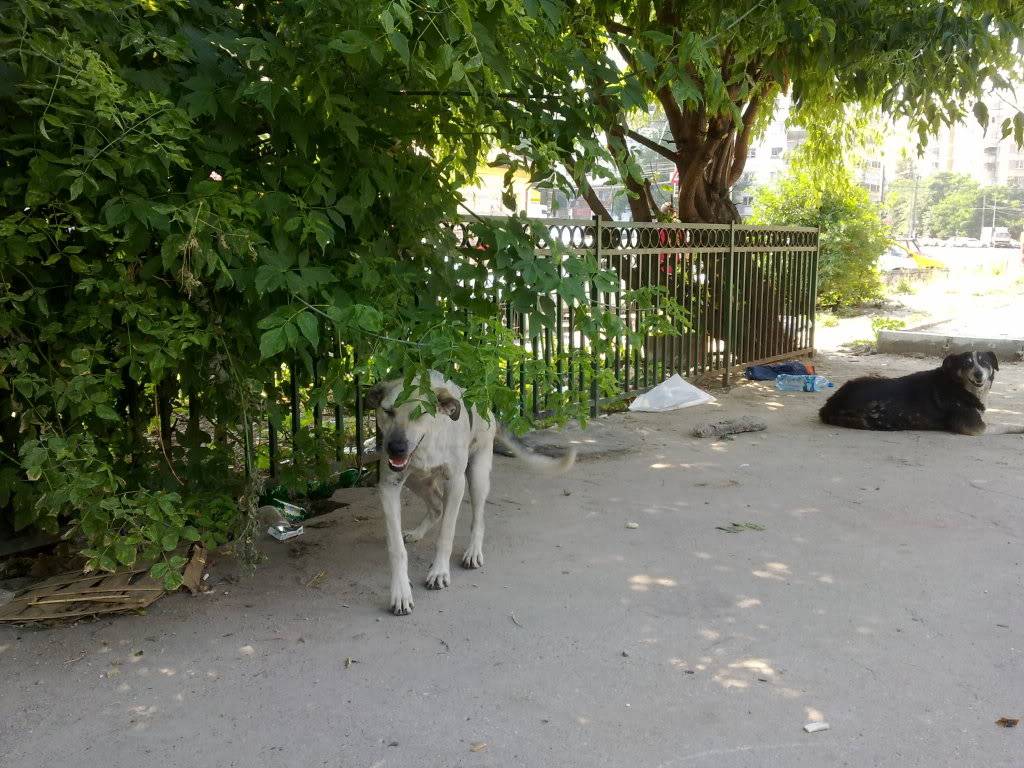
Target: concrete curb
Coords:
[(939, 344)]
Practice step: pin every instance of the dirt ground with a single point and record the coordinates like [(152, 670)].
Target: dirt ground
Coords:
[(883, 595), (980, 295)]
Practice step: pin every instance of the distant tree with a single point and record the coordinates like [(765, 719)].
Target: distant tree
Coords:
[(999, 206), (852, 233)]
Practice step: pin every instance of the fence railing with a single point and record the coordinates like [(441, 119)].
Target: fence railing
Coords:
[(748, 294)]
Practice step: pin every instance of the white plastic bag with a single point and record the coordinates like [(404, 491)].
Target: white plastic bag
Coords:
[(670, 395)]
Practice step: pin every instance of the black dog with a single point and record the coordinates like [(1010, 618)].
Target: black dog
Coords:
[(949, 398)]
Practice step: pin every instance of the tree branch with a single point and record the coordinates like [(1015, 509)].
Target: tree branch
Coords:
[(619, 29), (654, 146), (739, 159), (594, 201), (587, 191)]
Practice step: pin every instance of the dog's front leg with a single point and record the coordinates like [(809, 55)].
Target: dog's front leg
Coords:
[(1004, 429), (401, 590), (439, 576)]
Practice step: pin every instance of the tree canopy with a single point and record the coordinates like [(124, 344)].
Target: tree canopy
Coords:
[(716, 68)]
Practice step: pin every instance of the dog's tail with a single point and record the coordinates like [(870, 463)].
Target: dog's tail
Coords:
[(543, 463)]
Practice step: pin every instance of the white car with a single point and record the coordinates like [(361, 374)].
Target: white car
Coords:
[(895, 259), (972, 242)]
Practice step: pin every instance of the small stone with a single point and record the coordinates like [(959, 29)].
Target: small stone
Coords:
[(632, 526), (625, 655)]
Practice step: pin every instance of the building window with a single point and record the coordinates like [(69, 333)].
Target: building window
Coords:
[(1016, 181), (1017, 164), (776, 152), (751, 152), (748, 200)]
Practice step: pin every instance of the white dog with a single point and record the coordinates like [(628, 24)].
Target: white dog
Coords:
[(433, 455)]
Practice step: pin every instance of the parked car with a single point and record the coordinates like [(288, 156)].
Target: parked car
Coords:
[(896, 259), (972, 242)]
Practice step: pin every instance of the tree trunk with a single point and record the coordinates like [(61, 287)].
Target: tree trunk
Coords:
[(709, 155)]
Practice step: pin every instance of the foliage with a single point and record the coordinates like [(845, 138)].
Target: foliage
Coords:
[(200, 199), (950, 204), (852, 234), (879, 324), (716, 68)]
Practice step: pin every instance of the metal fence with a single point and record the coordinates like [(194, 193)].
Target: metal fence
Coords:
[(747, 293)]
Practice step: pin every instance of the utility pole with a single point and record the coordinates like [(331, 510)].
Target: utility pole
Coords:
[(981, 234), (913, 210)]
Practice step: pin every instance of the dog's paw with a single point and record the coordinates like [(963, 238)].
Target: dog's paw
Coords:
[(438, 578), (401, 599), (473, 557), (411, 537)]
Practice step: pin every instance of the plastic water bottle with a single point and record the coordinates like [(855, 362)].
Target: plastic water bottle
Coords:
[(791, 382)]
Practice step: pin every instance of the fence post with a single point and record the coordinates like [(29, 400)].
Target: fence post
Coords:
[(594, 306), (293, 395), (271, 426), (730, 266), (814, 288), (339, 418), (359, 408)]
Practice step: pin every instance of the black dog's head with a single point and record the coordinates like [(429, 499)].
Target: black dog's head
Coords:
[(974, 371)]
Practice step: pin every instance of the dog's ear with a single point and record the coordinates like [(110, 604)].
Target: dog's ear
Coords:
[(990, 358), (375, 396), (951, 364), (448, 403)]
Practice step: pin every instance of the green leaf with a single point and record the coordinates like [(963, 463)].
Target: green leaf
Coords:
[(981, 114), (124, 552), (159, 571), (272, 342), (308, 325), (350, 41), (403, 16), (401, 45), (104, 411), (169, 541)]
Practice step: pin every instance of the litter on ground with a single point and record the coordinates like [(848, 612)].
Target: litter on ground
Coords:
[(729, 427), (670, 395), (739, 527)]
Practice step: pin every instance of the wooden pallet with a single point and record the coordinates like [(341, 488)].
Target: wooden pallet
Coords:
[(73, 595)]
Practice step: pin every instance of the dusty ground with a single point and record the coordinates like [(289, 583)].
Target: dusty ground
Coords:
[(883, 595), (981, 295)]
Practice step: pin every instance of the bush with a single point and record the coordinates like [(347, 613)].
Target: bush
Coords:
[(879, 324), (203, 205), (852, 233)]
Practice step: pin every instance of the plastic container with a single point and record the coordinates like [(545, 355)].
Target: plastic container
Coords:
[(788, 382)]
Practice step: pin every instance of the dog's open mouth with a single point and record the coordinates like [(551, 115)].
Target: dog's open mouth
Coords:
[(398, 463)]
